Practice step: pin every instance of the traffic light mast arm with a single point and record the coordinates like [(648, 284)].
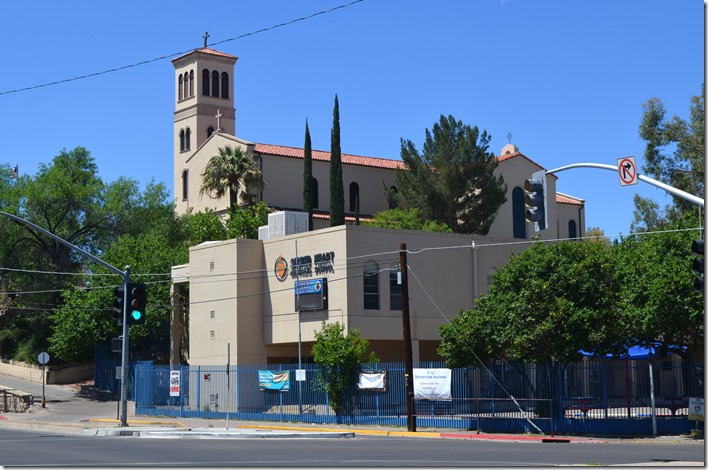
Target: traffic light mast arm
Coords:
[(669, 189)]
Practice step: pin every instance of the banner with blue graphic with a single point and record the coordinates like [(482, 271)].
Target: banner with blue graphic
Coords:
[(268, 380)]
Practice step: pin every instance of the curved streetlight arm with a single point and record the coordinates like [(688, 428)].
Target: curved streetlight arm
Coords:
[(669, 189), (64, 242)]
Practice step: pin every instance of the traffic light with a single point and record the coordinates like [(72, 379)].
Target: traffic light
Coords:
[(698, 265), (535, 200), (118, 304), (137, 300)]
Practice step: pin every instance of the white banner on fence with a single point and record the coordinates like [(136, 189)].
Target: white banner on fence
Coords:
[(372, 380), (432, 384), (174, 383)]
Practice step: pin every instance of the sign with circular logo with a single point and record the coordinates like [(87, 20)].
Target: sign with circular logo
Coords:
[(281, 269)]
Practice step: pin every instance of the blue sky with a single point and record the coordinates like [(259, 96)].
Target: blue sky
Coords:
[(566, 78)]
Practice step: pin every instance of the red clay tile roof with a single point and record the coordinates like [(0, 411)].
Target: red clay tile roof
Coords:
[(561, 199), (294, 152), (206, 50)]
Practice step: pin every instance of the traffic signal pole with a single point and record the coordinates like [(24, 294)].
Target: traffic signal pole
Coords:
[(124, 353), (126, 280), (669, 189)]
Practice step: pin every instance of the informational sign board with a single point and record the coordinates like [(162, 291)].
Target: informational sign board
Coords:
[(300, 375), (268, 380), (696, 409), (174, 383), (311, 294), (432, 384), (627, 169)]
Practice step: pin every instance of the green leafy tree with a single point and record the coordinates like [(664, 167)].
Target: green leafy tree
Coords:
[(231, 171), (658, 300), (546, 303), (336, 183), (339, 357), (203, 226), (406, 219), (244, 221), (452, 181), (307, 183), (675, 155)]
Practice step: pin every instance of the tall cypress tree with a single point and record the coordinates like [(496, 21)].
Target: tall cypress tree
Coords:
[(336, 184), (307, 188)]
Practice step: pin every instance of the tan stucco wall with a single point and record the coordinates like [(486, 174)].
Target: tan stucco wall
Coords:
[(256, 313)]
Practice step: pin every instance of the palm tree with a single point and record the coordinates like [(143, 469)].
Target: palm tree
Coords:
[(229, 171)]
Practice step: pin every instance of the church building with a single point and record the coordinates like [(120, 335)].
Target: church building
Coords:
[(240, 295)]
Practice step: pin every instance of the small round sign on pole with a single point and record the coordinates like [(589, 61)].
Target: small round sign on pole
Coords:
[(43, 358)]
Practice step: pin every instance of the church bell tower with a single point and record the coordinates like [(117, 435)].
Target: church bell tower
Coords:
[(204, 104)]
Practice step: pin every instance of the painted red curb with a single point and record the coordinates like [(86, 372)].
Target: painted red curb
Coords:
[(2, 417), (503, 437)]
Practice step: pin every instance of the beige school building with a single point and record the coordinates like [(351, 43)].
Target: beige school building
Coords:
[(239, 295)]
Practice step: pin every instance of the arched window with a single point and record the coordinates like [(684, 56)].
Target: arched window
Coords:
[(186, 85), (392, 196), (215, 83), (315, 194), (518, 209), (371, 286), (191, 83), (179, 88), (225, 85), (353, 196), (181, 140), (210, 131), (572, 230), (185, 187), (205, 82), (188, 139)]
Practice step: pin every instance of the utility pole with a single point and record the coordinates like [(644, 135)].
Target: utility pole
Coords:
[(407, 347)]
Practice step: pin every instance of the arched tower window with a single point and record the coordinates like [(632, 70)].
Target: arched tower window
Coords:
[(225, 85), (353, 196), (392, 192), (518, 209), (215, 83), (371, 286), (572, 229), (179, 88), (210, 131), (315, 194), (205, 82), (191, 83), (186, 85), (181, 140), (188, 139), (185, 183)]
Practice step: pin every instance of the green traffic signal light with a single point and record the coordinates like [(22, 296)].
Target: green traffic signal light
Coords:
[(137, 300)]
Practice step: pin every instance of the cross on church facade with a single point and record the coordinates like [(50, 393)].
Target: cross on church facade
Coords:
[(218, 120)]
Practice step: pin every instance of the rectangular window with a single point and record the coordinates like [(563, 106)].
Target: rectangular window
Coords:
[(395, 291), (211, 314), (211, 334), (371, 291)]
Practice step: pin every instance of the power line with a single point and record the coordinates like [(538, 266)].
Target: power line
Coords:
[(156, 59)]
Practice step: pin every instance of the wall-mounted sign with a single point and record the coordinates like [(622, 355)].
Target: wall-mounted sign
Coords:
[(174, 383), (311, 294), (281, 269), (306, 266)]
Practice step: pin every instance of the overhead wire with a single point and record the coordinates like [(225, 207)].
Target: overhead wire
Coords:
[(156, 59)]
